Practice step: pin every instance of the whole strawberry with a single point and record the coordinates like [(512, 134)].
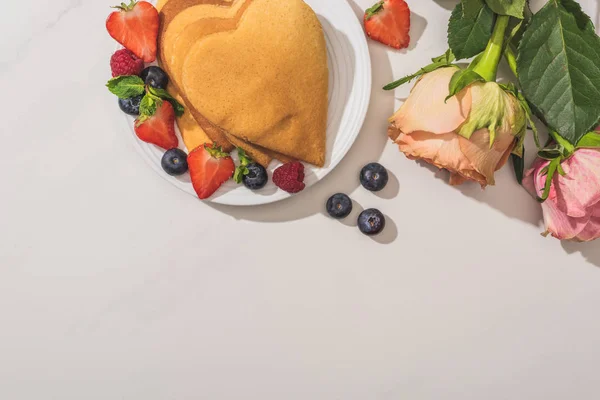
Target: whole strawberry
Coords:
[(290, 177), (124, 62), (135, 26), (388, 22)]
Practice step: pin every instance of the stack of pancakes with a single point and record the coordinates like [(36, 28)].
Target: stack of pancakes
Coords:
[(252, 74)]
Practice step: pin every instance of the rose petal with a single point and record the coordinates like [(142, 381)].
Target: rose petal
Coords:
[(579, 189), (560, 225), (532, 178), (487, 161), (426, 108), (592, 229), (443, 151)]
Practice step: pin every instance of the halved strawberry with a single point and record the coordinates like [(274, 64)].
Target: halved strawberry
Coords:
[(388, 22), (210, 167), (135, 26), (158, 129)]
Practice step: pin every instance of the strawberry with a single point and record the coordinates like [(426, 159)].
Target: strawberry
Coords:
[(135, 26), (158, 129), (210, 167), (388, 22)]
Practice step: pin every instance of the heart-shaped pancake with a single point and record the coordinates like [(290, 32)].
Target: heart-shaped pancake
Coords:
[(267, 81), (183, 30)]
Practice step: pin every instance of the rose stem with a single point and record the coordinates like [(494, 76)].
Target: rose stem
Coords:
[(487, 67)]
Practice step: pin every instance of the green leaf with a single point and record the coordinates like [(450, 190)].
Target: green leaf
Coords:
[(591, 140), (519, 166), (148, 107), (462, 79), (513, 8), (469, 36), (374, 10), (438, 62), (552, 168), (559, 69), (242, 168), (126, 86), (163, 94), (471, 8)]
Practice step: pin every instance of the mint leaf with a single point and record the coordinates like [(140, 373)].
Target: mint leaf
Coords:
[(242, 168), (514, 8), (126, 86), (471, 8), (163, 94), (469, 36), (148, 107), (558, 64), (442, 61), (462, 79)]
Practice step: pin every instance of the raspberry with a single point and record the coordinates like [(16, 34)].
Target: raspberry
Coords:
[(290, 177), (124, 62)]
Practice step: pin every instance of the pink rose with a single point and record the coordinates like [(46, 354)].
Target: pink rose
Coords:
[(471, 134), (572, 211)]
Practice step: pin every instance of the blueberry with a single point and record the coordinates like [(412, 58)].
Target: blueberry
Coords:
[(256, 178), (131, 105), (174, 162), (374, 177), (339, 206), (155, 77), (371, 222)]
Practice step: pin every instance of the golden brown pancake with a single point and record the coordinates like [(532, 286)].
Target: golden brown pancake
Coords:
[(268, 79), (191, 34), (169, 13)]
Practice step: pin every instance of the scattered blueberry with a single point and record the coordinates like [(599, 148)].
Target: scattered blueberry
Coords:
[(374, 177), (131, 105), (155, 77), (371, 222), (256, 178), (339, 206), (174, 162)]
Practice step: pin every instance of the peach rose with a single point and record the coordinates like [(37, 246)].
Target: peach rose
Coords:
[(471, 134)]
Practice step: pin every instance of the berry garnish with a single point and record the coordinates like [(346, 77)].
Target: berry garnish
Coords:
[(253, 175), (388, 22), (374, 177), (290, 177), (124, 62), (256, 178), (135, 26), (156, 124), (174, 162), (131, 105), (155, 77), (371, 222), (210, 167), (339, 206)]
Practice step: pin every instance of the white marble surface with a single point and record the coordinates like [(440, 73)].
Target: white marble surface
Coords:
[(115, 285)]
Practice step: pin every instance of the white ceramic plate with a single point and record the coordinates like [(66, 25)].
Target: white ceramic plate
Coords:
[(349, 95)]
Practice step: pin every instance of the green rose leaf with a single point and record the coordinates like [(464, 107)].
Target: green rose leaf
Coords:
[(513, 8), (519, 166), (559, 69), (590, 140), (442, 61), (471, 8), (468, 36), (462, 79)]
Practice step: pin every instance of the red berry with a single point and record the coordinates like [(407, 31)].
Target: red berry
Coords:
[(135, 26), (159, 129), (290, 177), (388, 22), (210, 167), (124, 62)]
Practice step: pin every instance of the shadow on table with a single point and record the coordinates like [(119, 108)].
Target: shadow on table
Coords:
[(591, 251)]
